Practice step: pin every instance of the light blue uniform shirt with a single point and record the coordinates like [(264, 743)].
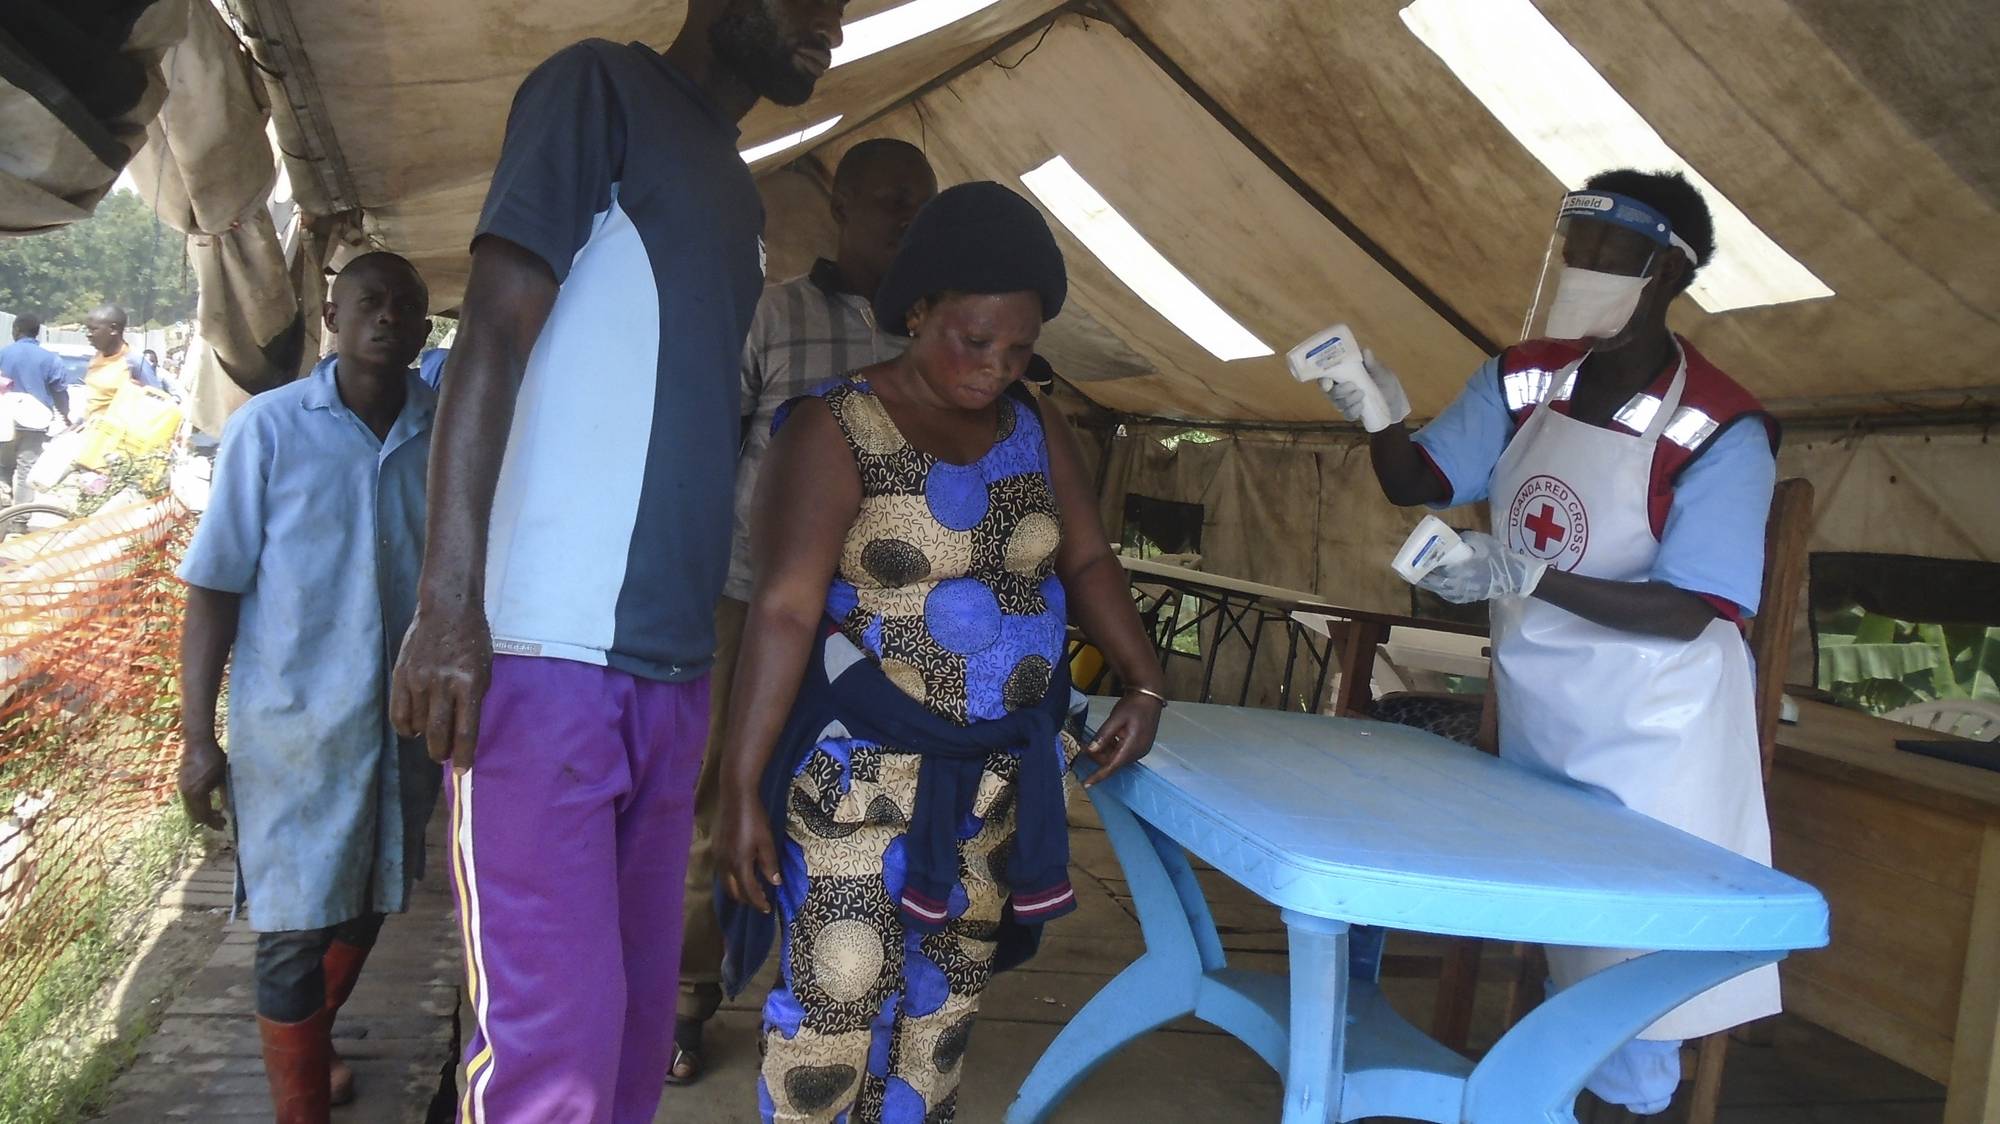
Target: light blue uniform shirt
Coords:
[(320, 527), (1713, 541), (34, 370), (430, 366)]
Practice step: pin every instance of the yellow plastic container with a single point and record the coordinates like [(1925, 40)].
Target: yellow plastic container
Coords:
[(140, 420), (1085, 666)]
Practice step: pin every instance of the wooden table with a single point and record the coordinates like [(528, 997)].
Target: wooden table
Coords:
[(1343, 823), (1907, 852), (1242, 610)]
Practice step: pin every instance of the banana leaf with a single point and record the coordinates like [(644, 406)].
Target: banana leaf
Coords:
[(1874, 628), (1943, 684), (1975, 660), (1853, 663)]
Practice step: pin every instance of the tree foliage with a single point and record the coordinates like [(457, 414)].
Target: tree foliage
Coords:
[(121, 255)]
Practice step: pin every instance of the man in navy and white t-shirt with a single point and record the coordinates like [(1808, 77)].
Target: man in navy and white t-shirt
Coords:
[(579, 536)]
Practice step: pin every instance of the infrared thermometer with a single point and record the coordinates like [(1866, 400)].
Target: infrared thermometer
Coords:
[(1334, 356), (1431, 545)]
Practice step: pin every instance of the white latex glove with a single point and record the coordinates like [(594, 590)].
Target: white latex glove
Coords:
[(1490, 571), (1353, 402)]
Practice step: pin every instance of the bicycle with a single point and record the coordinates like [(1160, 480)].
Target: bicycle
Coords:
[(23, 517)]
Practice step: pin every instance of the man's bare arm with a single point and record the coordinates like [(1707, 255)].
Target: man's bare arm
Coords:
[(1406, 477), (1653, 608), (447, 657), (207, 634)]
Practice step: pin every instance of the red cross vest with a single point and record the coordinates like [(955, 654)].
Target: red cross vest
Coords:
[(1711, 402)]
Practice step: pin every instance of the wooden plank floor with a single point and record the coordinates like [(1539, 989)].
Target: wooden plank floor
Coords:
[(204, 1062)]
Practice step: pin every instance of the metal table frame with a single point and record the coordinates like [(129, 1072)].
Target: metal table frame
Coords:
[(1241, 610)]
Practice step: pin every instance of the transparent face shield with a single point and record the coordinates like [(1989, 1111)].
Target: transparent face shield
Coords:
[(1605, 249)]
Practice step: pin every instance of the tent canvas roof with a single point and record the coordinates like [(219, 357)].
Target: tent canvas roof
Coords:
[(1301, 162)]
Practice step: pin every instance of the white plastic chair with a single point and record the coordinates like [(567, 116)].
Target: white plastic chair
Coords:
[(1976, 719)]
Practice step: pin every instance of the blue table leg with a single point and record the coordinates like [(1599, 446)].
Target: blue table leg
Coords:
[(1533, 1074), (1183, 972), (1150, 993), (1317, 1055)]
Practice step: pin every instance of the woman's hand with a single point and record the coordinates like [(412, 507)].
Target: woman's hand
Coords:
[(744, 850), (1125, 737)]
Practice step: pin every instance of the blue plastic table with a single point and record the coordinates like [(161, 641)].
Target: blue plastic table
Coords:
[(1342, 822)]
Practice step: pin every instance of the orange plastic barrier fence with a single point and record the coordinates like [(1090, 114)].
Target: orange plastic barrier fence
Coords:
[(90, 619)]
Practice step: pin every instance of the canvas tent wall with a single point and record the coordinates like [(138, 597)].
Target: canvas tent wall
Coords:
[(1301, 510), (1298, 161), (78, 83)]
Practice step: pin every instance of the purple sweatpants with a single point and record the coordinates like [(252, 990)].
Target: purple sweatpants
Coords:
[(569, 855)]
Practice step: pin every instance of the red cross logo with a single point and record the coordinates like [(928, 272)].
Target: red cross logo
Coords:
[(1546, 519), (1543, 526)]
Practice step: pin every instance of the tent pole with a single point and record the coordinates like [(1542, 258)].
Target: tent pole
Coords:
[(1111, 422), (1972, 402), (1858, 414)]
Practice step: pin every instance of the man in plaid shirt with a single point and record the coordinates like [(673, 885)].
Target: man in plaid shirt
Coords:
[(806, 331)]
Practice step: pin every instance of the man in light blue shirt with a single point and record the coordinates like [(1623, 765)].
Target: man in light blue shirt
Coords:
[(34, 398), (306, 564)]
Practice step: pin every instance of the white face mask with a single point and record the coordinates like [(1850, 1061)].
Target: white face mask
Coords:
[(1592, 305)]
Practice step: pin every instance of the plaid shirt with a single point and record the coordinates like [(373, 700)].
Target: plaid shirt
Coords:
[(806, 332)]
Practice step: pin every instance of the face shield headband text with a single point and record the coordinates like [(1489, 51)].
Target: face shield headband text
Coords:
[(1626, 212)]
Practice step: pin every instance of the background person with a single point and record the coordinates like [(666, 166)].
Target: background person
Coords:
[(586, 450), (35, 399), (1629, 482), (114, 366), (305, 564), (159, 375), (924, 532), (806, 331)]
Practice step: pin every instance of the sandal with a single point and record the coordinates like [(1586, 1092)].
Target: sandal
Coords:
[(685, 1068)]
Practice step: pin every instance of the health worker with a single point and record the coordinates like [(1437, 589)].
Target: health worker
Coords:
[(1628, 482)]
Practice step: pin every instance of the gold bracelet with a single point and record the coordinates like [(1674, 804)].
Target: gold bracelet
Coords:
[(1149, 693)]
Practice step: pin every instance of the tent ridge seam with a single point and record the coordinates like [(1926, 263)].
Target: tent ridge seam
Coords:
[(304, 100)]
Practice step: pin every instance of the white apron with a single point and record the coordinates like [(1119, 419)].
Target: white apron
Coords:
[(1668, 727)]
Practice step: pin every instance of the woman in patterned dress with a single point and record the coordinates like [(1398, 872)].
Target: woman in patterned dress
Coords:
[(932, 519)]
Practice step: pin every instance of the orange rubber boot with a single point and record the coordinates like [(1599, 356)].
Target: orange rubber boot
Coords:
[(295, 1061), (342, 967)]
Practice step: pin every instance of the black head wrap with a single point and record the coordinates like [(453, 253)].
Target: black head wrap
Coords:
[(973, 238)]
